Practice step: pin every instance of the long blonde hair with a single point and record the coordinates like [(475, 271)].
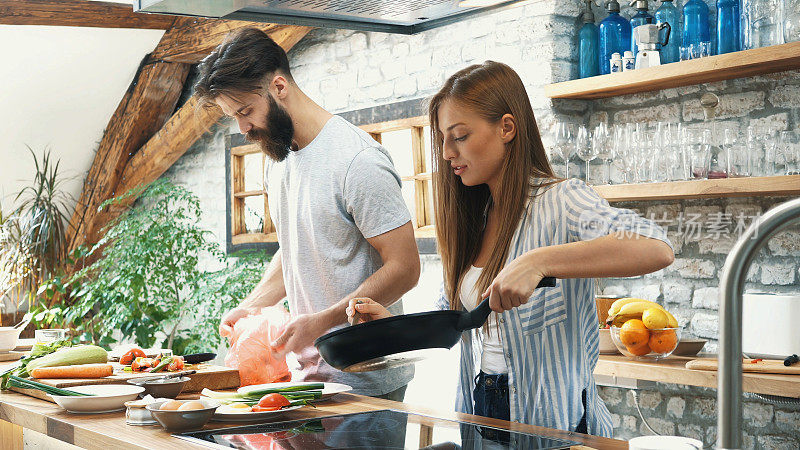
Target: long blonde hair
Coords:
[(490, 90)]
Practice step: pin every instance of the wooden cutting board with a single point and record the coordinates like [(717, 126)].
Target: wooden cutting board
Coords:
[(207, 376), (763, 366)]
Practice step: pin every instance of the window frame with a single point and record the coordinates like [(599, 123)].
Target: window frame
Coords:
[(236, 147)]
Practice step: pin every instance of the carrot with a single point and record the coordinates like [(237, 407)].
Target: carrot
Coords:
[(76, 371)]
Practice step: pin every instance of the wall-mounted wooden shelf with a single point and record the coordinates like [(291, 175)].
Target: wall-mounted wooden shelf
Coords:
[(747, 63), (673, 370), (724, 187)]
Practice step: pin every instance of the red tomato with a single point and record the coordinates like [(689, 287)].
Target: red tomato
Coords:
[(264, 408), (176, 364), (273, 401), (130, 355)]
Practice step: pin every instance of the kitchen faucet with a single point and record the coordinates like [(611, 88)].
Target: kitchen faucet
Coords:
[(734, 273)]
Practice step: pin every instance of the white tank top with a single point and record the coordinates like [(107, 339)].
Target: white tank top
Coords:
[(493, 360)]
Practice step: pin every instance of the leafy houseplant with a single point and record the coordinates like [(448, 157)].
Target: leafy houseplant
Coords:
[(149, 282), (33, 236)]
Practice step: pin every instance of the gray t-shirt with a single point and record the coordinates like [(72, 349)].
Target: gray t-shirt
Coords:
[(325, 200)]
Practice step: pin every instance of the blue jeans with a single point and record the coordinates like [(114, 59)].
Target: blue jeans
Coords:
[(491, 399)]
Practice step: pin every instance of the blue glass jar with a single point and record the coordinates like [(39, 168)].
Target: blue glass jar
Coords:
[(615, 36), (668, 13), (728, 20), (641, 17), (696, 30)]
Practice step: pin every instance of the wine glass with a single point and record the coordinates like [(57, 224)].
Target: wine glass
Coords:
[(563, 145), (585, 148), (618, 146), (605, 151)]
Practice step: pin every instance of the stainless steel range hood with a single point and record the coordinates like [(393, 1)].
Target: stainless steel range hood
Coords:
[(391, 16)]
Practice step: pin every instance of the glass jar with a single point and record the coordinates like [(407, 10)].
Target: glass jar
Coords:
[(762, 23), (791, 22)]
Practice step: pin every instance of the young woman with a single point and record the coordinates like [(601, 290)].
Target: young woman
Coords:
[(503, 222)]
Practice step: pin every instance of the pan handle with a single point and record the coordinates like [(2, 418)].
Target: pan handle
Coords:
[(478, 316)]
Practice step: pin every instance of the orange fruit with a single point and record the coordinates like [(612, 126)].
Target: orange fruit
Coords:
[(663, 341), (633, 333), (639, 350)]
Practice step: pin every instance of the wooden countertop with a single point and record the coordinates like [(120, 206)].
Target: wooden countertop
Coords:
[(673, 370), (104, 431)]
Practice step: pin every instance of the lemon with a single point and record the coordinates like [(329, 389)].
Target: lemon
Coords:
[(655, 318)]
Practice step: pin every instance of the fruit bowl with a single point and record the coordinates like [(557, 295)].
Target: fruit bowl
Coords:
[(644, 344)]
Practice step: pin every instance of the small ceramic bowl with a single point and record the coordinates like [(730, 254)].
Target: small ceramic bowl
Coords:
[(167, 388), (137, 413), (8, 338), (183, 420)]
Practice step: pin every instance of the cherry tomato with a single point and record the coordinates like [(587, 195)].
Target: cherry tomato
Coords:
[(264, 408), (273, 401), (176, 364), (130, 355)]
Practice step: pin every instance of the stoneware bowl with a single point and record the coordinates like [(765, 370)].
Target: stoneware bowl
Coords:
[(689, 347), (184, 420), (168, 388)]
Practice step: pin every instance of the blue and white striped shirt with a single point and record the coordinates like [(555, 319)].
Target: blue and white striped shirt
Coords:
[(551, 342)]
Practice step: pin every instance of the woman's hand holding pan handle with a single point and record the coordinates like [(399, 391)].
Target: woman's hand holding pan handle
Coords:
[(363, 309)]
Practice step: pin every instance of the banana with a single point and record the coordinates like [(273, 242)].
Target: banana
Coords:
[(620, 319), (638, 307), (617, 305), (673, 323)]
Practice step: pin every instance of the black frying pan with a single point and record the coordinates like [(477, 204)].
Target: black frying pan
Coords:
[(370, 345)]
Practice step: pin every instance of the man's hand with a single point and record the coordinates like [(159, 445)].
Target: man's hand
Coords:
[(300, 333), (230, 318)]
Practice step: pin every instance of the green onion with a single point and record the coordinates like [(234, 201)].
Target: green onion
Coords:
[(52, 390), (299, 387)]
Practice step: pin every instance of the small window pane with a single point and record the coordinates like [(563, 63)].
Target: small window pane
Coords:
[(408, 197), (253, 172), (426, 133), (398, 144), (429, 188), (254, 214)]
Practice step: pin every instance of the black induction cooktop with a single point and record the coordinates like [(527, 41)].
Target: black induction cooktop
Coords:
[(385, 429)]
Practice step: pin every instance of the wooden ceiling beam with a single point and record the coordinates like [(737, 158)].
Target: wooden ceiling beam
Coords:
[(192, 38), (151, 100), (79, 13)]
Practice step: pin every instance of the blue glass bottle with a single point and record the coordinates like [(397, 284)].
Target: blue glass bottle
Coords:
[(641, 17), (728, 26), (668, 13), (588, 44), (695, 23), (615, 36)]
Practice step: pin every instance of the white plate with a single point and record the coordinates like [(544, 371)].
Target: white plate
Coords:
[(251, 416), (105, 398), (328, 390)]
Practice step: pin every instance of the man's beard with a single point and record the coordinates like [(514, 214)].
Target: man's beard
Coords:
[(275, 138)]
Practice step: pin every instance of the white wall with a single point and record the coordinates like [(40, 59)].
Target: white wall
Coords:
[(59, 87)]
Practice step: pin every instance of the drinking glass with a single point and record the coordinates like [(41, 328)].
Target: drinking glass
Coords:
[(585, 148), (563, 144), (605, 151), (697, 151), (737, 153), (755, 150), (49, 335), (789, 151), (771, 166), (621, 152)]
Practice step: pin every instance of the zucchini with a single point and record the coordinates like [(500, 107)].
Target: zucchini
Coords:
[(80, 354)]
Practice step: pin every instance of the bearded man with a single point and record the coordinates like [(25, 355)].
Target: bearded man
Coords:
[(343, 228)]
